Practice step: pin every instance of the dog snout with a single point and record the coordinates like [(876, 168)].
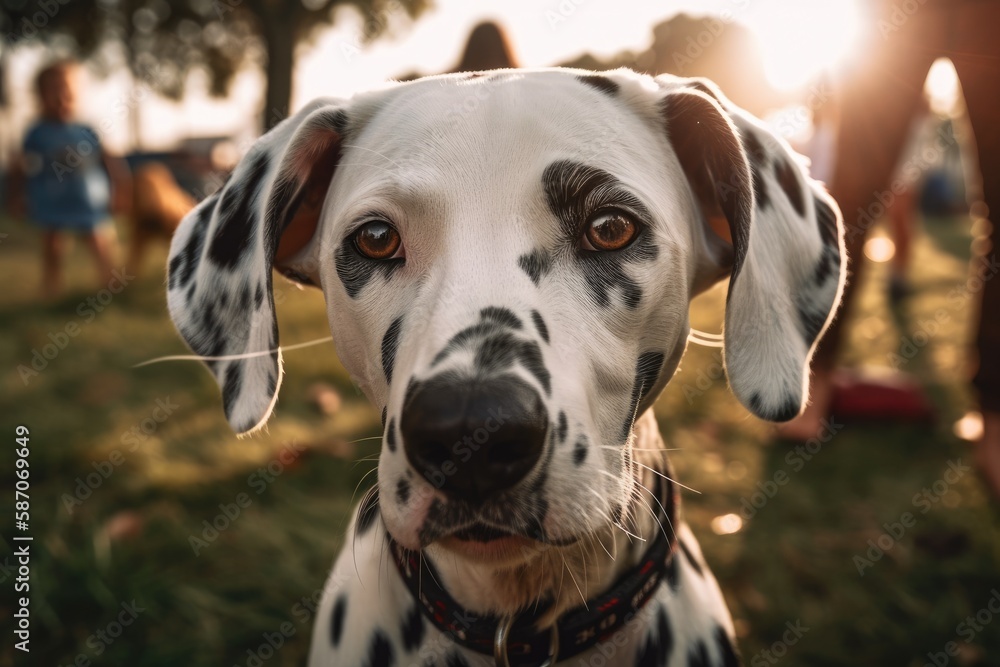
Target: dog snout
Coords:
[(474, 438)]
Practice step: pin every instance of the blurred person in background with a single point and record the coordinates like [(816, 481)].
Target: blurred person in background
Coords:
[(64, 182), (880, 96), (488, 47)]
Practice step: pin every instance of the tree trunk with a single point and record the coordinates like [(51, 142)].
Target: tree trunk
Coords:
[(279, 37)]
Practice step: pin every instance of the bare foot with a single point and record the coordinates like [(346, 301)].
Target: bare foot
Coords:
[(988, 452)]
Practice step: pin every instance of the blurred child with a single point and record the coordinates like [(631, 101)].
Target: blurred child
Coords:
[(66, 180)]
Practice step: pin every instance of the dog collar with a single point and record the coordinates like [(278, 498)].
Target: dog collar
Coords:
[(514, 641)]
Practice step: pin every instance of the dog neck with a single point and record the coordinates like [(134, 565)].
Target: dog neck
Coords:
[(568, 576)]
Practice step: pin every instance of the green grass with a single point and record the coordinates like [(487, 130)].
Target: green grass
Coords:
[(129, 540)]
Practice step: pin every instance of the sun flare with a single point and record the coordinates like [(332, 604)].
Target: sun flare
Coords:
[(801, 39)]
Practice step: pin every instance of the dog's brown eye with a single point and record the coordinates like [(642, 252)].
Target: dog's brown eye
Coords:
[(611, 230), (377, 240)]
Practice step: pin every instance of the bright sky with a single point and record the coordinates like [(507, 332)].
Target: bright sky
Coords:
[(798, 38)]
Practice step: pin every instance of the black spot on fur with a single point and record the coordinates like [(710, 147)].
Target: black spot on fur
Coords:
[(380, 653), (786, 411), (531, 358), (501, 316), (356, 271), (698, 655), (536, 264), (500, 351), (496, 353), (690, 558), (810, 321), (463, 338), (237, 215), (563, 427), (647, 371), (543, 330), (390, 435), (828, 263), (412, 629), (258, 296), (656, 650), (758, 158), (601, 83), (573, 192), (789, 182), (673, 574), (729, 656), (390, 343), (182, 265), (368, 512), (760, 193), (231, 387), (402, 491), (243, 299), (385, 409), (755, 150), (827, 221), (580, 453), (337, 620)]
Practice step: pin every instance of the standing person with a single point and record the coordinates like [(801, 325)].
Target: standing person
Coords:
[(879, 99), (64, 179)]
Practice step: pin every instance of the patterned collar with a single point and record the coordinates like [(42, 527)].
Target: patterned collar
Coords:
[(515, 641)]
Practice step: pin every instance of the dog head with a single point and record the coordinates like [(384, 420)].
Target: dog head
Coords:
[(508, 261)]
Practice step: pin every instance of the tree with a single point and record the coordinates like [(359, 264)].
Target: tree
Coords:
[(164, 41)]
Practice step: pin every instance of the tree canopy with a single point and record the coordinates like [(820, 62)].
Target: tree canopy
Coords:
[(164, 41)]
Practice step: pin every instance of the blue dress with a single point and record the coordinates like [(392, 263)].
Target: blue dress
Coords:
[(67, 185)]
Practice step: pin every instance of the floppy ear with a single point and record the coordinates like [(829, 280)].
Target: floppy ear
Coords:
[(787, 248), (219, 288)]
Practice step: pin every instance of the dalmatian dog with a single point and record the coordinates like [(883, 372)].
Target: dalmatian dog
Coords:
[(507, 260)]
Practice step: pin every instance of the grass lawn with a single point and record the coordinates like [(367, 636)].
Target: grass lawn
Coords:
[(127, 463)]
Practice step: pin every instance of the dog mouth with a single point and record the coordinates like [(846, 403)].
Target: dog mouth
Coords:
[(480, 532)]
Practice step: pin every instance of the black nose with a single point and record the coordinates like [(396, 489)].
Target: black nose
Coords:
[(473, 438)]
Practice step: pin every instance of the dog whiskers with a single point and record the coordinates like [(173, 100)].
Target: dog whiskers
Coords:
[(649, 508), (662, 508), (618, 448), (583, 597), (232, 357), (360, 482), (674, 481), (368, 508)]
